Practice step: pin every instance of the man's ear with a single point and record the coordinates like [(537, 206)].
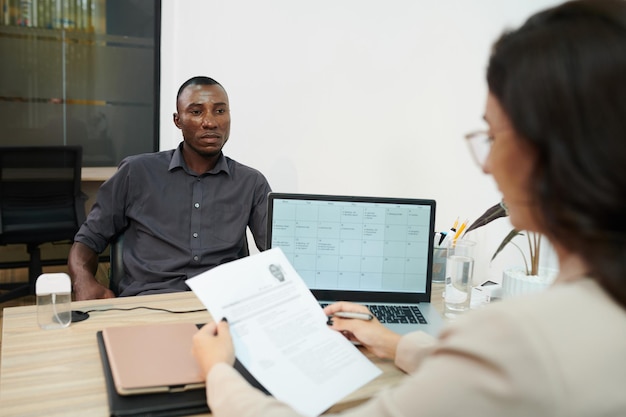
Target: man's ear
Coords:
[(176, 120)]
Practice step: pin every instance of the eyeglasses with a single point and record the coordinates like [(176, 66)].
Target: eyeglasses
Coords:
[(480, 145)]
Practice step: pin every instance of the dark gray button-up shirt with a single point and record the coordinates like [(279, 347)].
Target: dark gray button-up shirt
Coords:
[(177, 224)]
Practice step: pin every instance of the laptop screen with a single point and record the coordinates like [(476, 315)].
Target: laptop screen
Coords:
[(356, 245)]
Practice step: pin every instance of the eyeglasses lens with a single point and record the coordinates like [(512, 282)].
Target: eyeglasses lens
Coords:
[(480, 146)]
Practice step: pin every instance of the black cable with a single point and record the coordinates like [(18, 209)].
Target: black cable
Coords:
[(147, 308)]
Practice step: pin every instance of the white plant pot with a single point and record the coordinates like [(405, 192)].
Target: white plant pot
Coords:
[(516, 282)]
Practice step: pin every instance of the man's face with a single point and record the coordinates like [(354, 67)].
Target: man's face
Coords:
[(203, 116)]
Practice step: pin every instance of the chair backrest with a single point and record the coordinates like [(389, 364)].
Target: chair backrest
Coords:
[(116, 273), (40, 197)]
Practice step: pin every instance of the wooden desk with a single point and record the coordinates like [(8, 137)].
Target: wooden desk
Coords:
[(59, 373), (97, 174)]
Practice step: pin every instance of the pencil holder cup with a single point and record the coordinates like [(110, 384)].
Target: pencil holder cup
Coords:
[(439, 264), (54, 300)]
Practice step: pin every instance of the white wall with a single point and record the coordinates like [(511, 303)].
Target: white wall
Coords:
[(350, 96)]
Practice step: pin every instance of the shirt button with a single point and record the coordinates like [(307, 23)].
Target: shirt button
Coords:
[(195, 235), (197, 205), (195, 258)]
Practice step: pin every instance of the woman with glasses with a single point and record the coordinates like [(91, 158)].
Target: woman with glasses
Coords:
[(556, 147)]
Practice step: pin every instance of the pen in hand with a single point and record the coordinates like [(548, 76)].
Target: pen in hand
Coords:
[(351, 315)]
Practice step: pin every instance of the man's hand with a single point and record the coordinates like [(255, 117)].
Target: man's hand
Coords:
[(90, 289), (213, 344)]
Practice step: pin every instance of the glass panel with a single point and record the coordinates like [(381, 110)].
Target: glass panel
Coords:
[(80, 72)]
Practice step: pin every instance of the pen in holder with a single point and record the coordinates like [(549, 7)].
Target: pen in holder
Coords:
[(54, 300)]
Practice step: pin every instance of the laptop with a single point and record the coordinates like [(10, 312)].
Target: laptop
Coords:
[(375, 251), (152, 358)]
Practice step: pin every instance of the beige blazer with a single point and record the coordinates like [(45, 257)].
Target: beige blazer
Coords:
[(558, 353)]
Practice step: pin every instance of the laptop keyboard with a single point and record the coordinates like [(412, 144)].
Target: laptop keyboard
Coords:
[(395, 314)]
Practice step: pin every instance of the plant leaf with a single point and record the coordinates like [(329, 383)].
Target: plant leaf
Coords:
[(505, 242), (488, 216)]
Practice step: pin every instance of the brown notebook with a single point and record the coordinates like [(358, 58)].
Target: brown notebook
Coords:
[(152, 358)]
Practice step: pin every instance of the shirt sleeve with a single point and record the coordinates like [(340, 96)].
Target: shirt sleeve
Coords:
[(107, 216), (413, 349), (229, 394), (258, 216)]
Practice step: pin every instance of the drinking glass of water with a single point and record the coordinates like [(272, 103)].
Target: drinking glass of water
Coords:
[(459, 276)]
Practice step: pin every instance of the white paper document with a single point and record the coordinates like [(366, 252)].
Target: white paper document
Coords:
[(280, 332)]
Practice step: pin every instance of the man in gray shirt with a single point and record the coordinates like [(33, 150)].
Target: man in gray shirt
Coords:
[(181, 211)]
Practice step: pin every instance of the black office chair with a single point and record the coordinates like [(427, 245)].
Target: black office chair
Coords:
[(116, 273), (40, 202)]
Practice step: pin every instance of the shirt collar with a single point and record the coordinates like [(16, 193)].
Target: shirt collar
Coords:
[(179, 162)]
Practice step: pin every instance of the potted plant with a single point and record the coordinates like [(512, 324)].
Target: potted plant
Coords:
[(531, 277)]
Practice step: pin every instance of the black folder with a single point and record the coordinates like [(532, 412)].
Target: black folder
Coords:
[(168, 404)]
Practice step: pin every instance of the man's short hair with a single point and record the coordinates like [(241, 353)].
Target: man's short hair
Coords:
[(199, 80)]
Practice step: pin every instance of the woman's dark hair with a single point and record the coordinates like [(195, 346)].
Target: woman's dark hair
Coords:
[(561, 79)]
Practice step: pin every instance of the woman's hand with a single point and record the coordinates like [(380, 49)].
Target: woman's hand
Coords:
[(378, 339), (212, 344)]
